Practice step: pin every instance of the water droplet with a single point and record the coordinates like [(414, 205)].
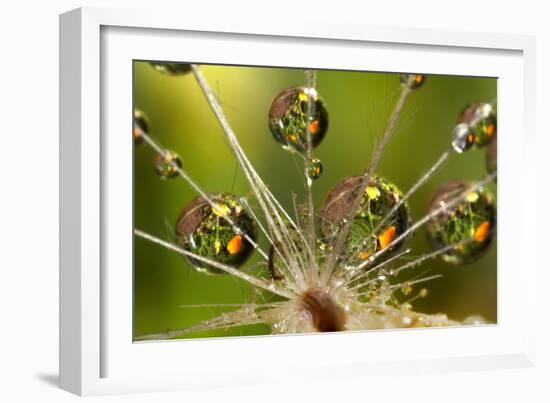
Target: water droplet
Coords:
[(412, 80), (406, 288), (323, 246), (481, 118), (463, 139), (173, 69), (314, 168), (167, 164), (423, 293), (474, 320), (378, 199), (472, 220), (141, 125), (288, 119), (201, 230)]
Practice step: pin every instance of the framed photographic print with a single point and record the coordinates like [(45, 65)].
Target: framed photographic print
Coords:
[(241, 199)]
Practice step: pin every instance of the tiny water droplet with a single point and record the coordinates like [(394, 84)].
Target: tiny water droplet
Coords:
[(414, 81), (406, 288), (314, 168), (463, 139), (141, 125), (475, 320), (323, 246), (167, 164), (173, 69)]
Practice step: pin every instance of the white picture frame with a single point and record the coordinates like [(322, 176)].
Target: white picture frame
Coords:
[(96, 354)]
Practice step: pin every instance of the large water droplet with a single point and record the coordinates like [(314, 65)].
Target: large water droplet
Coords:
[(377, 199), (205, 231), (288, 118), (472, 220), (481, 118)]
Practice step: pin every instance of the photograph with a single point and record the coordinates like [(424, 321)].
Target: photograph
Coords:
[(270, 200)]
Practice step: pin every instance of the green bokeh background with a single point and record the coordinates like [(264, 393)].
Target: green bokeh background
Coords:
[(359, 105)]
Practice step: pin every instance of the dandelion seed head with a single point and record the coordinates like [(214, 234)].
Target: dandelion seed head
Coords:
[(337, 269)]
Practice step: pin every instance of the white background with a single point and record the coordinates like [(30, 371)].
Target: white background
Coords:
[(29, 201)]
